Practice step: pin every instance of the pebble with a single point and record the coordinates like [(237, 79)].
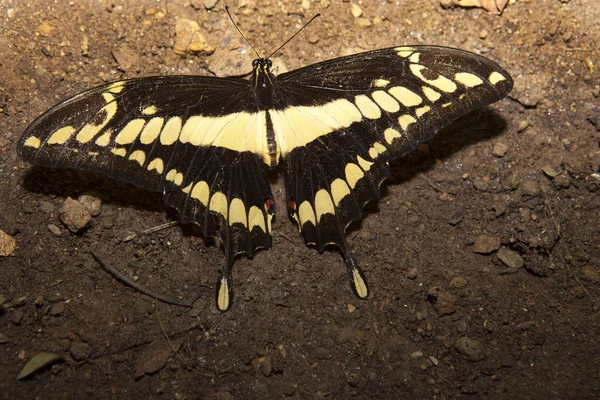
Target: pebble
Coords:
[(189, 38), (47, 207), (417, 355), (591, 273), (3, 338), (483, 34), (412, 273), (458, 282), (522, 125), (127, 59), (363, 22), (499, 149), (456, 218), (481, 185), (486, 244), (510, 258), (155, 356), (356, 10), (16, 317), (266, 366), (7, 244), (446, 3), (471, 349), (443, 302), (530, 188), (92, 202), (462, 326), (74, 215), (55, 230), (210, 4), (562, 181), (351, 308), (58, 308), (80, 350)]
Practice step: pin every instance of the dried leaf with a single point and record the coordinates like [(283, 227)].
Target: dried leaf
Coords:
[(38, 362), (7, 244)]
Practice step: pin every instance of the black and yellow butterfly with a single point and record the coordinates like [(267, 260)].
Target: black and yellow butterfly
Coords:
[(207, 143)]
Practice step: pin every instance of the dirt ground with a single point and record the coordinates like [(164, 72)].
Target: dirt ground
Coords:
[(482, 255)]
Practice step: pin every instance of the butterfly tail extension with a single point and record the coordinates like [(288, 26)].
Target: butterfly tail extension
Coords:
[(358, 280)]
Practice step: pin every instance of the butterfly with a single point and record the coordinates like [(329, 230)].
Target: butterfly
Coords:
[(207, 143)]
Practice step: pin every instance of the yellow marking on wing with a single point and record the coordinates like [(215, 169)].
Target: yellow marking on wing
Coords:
[(407, 97), (422, 110), (360, 286), (170, 132), (364, 164), (406, 120), (431, 94), (62, 135), (138, 156), (218, 204), (468, 79), (256, 218), (119, 151), (150, 110), (385, 101), (223, 300), (117, 87), (130, 132), (297, 126), (201, 192), (89, 131), (373, 153), (104, 139), (269, 221), (33, 142), (367, 107), (237, 212), (152, 130), (391, 134), (448, 104), (174, 176), (404, 51), (496, 77), (188, 188), (339, 190), (323, 204), (379, 147), (108, 97), (441, 82), (380, 83), (306, 213), (353, 174), (414, 58), (157, 164)]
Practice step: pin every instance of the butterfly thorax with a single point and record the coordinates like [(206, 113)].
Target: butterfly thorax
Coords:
[(262, 80)]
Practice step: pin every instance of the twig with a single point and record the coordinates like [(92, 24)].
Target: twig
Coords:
[(136, 286), (150, 230)]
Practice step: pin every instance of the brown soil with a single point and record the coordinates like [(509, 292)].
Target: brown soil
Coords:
[(447, 317)]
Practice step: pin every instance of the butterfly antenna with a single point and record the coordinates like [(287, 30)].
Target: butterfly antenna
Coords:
[(243, 36), (295, 34)]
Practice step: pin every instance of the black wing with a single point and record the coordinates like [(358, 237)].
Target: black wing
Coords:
[(177, 135), (339, 122)]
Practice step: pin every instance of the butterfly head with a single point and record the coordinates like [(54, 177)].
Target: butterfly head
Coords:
[(261, 65)]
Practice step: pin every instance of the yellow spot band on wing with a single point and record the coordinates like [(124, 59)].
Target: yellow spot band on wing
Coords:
[(62, 135)]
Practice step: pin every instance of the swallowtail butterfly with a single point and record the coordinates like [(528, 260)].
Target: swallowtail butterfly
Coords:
[(207, 143)]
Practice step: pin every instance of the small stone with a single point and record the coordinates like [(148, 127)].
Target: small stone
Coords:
[(417, 355), (481, 184), (80, 350), (126, 58), (155, 356), (471, 349), (322, 353), (92, 202), (355, 10), (3, 338), (522, 125), (189, 38), (462, 326), (510, 258), (55, 230), (412, 273), (483, 34), (210, 4), (58, 308), (446, 3), (486, 244), (363, 22), (266, 367), (7, 244), (74, 215), (530, 188), (499, 149), (549, 171), (47, 207), (562, 181), (434, 361), (351, 308), (456, 218), (458, 282), (443, 302), (16, 317), (591, 273)]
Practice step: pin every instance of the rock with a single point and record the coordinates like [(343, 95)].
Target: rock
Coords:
[(458, 282), (351, 308), (363, 22), (522, 125), (7, 244), (155, 356), (471, 349), (483, 34), (74, 215), (486, 244), (591, 273), (3, 338), (530, 188), (16, 317), (417, 355), (481, 185), (355, 10), (562, 181), (443, 302), (80, 350), (92, 202), (456, 218), (412, 273), (266, 367), (58, 308), (53, 229), (189, 39), (510, 258), (210, 4), (126, 58), (499, 149)]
